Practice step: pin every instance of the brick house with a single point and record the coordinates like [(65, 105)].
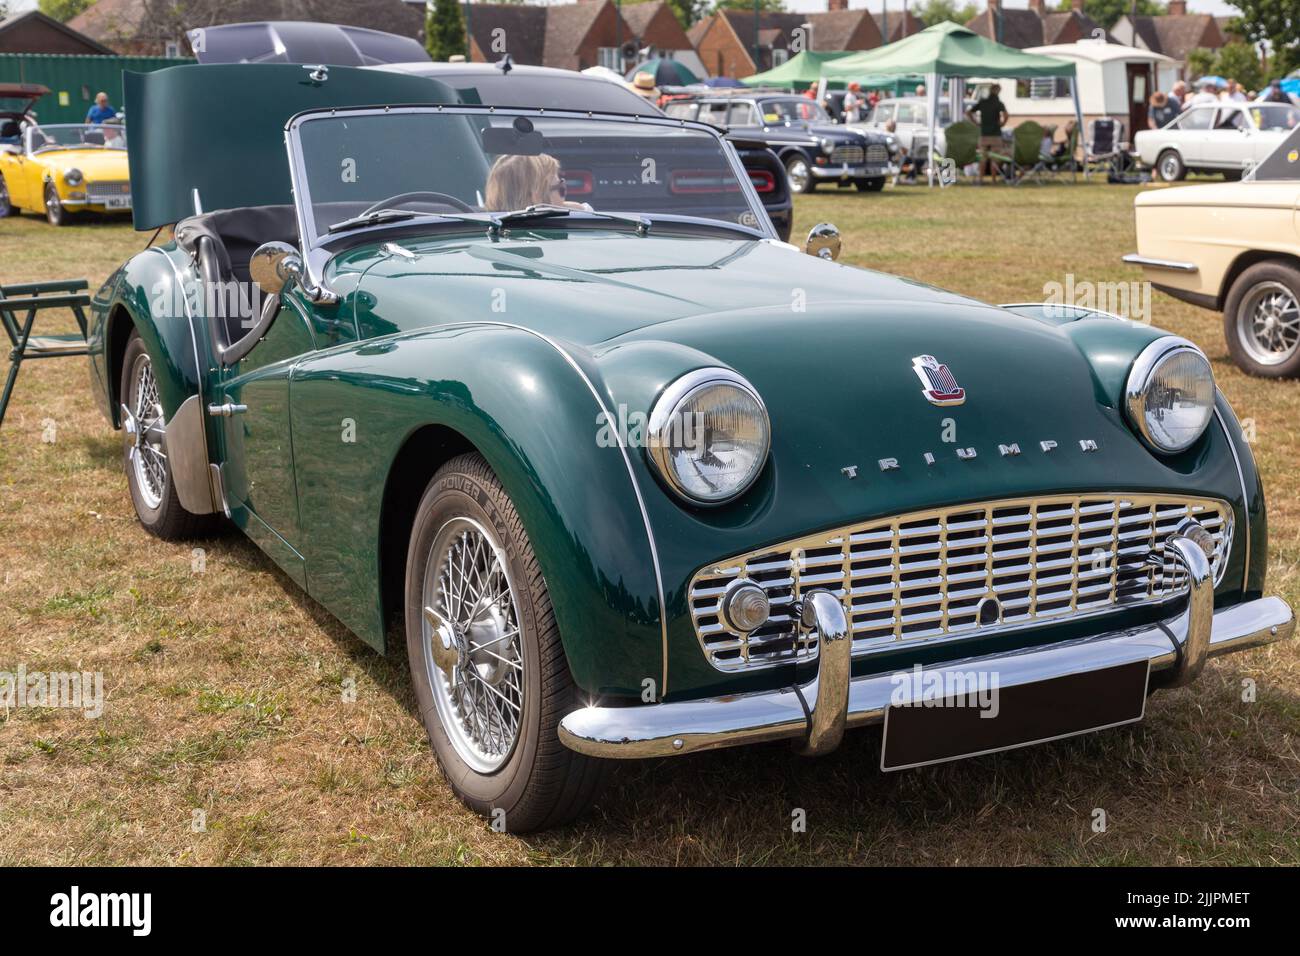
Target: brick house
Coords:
[(34, 32), (902, 23), (1175, 35), (1034, 25), (726, 41)]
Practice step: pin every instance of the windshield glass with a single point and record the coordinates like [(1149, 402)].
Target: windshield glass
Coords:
[(459, 161), (75, 136), (1275, 116), (796, 109)]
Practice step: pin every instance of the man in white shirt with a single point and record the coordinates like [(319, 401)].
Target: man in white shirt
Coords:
[(1206, 95), (852, 103), (1233, 93)]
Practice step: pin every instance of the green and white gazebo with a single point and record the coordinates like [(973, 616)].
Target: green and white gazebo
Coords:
[(799, 72), (949, 50)]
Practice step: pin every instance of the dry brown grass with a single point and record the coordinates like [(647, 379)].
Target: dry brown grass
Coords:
[(225, 687)]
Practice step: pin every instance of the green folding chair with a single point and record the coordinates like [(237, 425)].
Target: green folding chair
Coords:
[(1055, 165), (31, 298), (961, 143), (1024, 160)]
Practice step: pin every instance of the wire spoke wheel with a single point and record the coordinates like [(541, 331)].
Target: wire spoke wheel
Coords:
[(473, 648), (145, 432), (1268, 323)]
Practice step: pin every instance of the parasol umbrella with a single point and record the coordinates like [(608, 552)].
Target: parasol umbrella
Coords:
[(665, 72)]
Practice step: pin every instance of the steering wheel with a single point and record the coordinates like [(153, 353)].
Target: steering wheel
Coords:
[(392, 201)]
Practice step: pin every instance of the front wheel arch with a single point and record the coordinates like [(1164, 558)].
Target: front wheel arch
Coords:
[(425, 451), (120, 326), (1244, 262)]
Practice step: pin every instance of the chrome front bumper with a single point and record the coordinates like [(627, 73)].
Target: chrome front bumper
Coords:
[(1149, 262), (815, 714), (853, 171)]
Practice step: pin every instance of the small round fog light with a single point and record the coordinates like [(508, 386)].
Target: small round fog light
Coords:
[(745, 607), (1199, 535)]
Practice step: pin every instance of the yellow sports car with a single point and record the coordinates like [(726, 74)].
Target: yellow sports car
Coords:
[(65, 168)]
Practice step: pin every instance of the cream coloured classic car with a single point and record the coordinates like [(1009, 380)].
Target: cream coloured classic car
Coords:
[(1234, 247)]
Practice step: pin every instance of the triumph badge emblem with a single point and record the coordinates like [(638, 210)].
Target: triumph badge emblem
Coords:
[(938, 385)]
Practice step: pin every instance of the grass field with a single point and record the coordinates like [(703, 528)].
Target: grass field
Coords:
[(225, 689)]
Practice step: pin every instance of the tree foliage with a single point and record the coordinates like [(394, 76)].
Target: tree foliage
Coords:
[(1274, 21), (765, 6), (937, 11), (1200, 62), (63, 10), (1108, 12), (444, 30)]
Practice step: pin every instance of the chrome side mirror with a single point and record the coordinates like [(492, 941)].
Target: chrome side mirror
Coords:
[(276, 263), (823, 241), (273, 264)]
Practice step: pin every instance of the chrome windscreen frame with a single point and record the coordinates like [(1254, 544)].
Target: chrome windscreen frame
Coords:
[(316, 255)]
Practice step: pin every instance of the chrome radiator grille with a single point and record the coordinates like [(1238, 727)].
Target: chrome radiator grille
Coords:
[(923, 576), (847, 154), (877, 153), (106, 190)]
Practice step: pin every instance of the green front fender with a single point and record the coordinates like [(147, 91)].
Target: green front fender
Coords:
[(533, 415), (150, 294)]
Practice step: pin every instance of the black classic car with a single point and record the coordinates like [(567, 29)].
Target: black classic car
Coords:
[(811, 146), (505, 84)]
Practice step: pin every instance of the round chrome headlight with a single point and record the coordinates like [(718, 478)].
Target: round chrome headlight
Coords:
[(1170, 394), (709, 435), (73, 176)]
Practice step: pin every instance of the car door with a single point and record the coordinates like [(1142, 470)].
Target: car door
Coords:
[(9, 170), (1190, 135), (257, 465), (910, 122), (1264, 141), (19, 171), (742, 116), (714, 113), (1227, 142)]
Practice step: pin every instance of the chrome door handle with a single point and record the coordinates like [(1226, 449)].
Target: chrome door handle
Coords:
[(227, 410)]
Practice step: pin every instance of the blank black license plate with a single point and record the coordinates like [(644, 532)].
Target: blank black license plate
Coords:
[(1024, 714)]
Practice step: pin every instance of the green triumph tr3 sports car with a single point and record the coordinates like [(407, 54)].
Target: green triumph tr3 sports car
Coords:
[(541, 394)]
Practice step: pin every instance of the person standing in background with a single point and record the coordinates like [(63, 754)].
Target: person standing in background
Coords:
[(852, 103), (990, 114), (101, 112), (1162, 110), (1207, 96), (1178, 96), (1273, 93)]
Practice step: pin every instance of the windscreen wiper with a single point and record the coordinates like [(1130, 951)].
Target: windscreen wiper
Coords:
[(544, 210), (372, 219)]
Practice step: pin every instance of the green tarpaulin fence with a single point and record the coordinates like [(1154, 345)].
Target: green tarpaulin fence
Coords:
[(75, 79)]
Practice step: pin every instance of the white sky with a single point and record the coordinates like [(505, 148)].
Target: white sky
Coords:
[(1217, 7)]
